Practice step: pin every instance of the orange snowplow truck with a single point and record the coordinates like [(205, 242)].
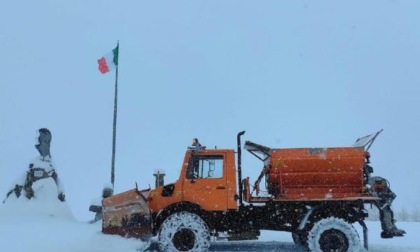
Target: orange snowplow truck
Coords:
[(314, 193)]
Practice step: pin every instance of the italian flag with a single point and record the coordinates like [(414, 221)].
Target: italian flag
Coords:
[(108, 62)]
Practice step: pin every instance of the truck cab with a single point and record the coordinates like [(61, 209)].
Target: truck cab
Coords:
[(207, 179)]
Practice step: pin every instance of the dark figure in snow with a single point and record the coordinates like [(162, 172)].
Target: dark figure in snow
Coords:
[(41, 167), (381, 189), (44, 142), (196, 146)]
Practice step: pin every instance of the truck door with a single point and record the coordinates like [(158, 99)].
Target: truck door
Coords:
[(205, 182)]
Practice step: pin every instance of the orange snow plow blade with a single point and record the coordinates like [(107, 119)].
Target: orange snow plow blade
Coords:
[(127, 214)]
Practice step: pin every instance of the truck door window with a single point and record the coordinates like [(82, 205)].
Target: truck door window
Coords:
[(202, 167)]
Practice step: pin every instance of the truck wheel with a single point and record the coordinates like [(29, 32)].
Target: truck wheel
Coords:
[(333, 234), (184, 231)]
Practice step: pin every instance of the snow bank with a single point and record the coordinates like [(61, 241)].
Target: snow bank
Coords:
[(45, 224), (44, 204)]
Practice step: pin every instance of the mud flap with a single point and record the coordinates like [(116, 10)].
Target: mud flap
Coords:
[(127, 214), (365, 234)]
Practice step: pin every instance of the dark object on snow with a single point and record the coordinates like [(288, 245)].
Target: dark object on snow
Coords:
[(39, 169), (61, 197), (17, 190), (106, 192), (35, 174)]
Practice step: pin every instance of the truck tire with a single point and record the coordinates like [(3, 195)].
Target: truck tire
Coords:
[(184, 231), (333, 234)]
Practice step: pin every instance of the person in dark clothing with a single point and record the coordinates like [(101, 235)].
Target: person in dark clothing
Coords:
[(196, 146), (382, 190)]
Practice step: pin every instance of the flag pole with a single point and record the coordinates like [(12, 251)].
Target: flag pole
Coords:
[(114, 128)]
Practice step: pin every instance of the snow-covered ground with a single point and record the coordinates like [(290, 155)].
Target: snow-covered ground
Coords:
[(45, 224)]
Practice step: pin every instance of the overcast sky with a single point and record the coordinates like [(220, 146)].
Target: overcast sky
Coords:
[(290, 73)]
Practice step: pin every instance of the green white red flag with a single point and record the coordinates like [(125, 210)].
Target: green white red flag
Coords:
[(108, 62)]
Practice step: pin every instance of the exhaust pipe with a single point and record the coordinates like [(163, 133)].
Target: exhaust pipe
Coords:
[(240, 165), (159, 178)]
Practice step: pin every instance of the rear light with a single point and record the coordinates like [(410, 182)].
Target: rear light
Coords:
[(367, 154)]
